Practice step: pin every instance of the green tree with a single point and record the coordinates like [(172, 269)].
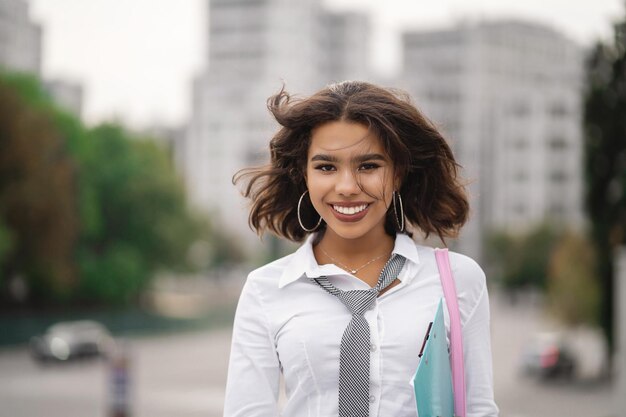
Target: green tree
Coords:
[(521, 260), (573, 293), (605, 161), (136, 219), (6, 244), (38, 211), (89, 215)]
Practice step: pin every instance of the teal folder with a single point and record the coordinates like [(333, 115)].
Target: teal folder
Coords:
[(433, 379)]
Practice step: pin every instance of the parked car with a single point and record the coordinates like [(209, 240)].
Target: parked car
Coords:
[(74, 339), (548, 355)]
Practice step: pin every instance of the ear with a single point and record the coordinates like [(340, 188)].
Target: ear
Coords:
[(305, 176), (397, 182)]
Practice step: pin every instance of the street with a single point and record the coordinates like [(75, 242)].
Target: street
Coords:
[(183, 375), (517, 396)]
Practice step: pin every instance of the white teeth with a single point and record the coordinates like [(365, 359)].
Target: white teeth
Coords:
[(350, 210)]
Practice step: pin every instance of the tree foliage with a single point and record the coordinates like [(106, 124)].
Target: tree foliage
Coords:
[(521, 260), (605, 160), (573, 293), (135, 217), (38, 210), (86, 215)]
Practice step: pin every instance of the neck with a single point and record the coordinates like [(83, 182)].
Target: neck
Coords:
[(354, 251)]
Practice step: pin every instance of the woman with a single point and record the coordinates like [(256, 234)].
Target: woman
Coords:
[(354, 168)]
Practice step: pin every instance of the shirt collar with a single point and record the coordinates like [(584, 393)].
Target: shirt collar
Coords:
[(303, 262)]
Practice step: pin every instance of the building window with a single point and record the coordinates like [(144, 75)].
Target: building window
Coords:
[(520, 176), (558, 177), (558, 110), (556, 210), (253, 157), (557, 143), (519, 144), (520, 109)]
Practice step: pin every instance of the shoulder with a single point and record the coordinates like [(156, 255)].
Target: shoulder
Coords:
[(466, 270), (270, 273), (262, 284), (469, 277), (470, 282)]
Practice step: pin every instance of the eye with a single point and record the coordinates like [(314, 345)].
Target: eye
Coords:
[(368, 166), (325, 167)]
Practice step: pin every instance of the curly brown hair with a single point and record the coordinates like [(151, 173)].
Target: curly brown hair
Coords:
[(433, 195)]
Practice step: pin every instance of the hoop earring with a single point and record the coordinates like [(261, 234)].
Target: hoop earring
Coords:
[(300, 218), (400, 222)]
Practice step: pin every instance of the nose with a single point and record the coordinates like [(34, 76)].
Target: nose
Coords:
[(347, 183)]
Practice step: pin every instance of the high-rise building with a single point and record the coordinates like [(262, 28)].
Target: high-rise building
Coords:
[(21, 51), (68, 95), (344, 46), (254, 47), (508, 96), (20, 38)]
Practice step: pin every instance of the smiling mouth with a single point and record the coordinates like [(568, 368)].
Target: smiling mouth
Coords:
[(349, 211)]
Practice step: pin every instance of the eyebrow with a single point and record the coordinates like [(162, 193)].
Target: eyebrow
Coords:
[(360, 158)]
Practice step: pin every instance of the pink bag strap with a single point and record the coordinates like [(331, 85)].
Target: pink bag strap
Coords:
[(456, 337)]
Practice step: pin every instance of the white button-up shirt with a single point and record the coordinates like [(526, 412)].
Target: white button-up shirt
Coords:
[(286, 324)]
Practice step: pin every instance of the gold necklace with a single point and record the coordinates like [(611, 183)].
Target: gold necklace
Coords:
[(352, 271)]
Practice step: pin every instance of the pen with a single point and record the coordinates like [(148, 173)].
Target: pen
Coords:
[(430, 325)]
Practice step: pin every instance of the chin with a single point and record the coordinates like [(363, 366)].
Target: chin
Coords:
[(353, 232), (349, 235)]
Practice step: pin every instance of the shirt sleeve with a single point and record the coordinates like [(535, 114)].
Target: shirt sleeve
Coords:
[(477, 359), (254, 369)]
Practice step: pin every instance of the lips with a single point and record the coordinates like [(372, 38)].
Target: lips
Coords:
[(351, 212)]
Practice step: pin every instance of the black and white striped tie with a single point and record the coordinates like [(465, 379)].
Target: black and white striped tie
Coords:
[(354, 356)]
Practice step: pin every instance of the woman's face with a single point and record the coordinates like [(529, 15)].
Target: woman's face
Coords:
[(349, 178)]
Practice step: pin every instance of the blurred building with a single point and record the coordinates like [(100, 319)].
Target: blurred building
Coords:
[(345, 41), (508, 96), (20, 38), (254, 47), (21, 51), (67, 95)]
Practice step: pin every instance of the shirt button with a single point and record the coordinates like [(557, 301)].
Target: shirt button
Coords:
[(372, 347), (372, 399)]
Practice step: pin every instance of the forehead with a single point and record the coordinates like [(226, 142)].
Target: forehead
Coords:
[(344, 137)]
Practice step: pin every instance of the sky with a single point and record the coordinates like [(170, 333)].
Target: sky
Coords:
[(136, 58)]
